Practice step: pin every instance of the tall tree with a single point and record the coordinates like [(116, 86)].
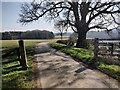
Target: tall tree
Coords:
[(80, 15)]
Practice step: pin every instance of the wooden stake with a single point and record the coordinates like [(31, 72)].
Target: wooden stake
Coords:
[(96, 45), (23, 58)]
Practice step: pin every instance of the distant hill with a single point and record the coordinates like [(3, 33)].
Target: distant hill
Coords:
[(102, 35)]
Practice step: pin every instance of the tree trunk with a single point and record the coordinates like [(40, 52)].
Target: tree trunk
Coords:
[(81, 42), (61, 35), (81, 25)]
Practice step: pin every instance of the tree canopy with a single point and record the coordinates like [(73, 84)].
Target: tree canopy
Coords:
[(80, 15)]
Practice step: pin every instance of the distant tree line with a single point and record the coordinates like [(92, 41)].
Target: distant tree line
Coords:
[(35, 34)]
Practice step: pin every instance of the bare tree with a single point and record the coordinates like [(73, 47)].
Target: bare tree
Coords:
[(80, 15), (60, 26)]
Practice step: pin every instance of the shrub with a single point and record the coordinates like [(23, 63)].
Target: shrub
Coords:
[(63, 41), (57, 45)]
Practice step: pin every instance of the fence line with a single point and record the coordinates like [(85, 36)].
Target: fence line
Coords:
[(109, 44)]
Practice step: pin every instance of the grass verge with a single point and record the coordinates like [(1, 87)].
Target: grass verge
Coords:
[(87, 57), (12, 74)]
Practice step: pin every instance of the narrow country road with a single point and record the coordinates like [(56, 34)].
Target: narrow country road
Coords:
[(54, 69)]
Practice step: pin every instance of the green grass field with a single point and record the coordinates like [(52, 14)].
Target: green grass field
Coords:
[(64, 37), (12, 74), (14, 43)]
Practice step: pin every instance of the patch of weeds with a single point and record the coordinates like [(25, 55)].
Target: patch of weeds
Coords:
[(112, 70), (57, 45)]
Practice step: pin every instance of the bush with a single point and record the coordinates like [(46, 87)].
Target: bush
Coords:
[(57, 45), (63, 41)]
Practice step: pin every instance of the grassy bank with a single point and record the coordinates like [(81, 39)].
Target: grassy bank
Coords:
[(12, 74), (88, 58)]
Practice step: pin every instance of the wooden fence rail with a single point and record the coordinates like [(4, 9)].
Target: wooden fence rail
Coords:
[(6, 52)]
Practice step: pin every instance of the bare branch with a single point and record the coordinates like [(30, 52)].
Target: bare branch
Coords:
[(25, 17), (74, 14), (115, 19), (104, 10)]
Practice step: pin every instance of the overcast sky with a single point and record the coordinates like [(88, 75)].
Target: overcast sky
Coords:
[(10, 16)]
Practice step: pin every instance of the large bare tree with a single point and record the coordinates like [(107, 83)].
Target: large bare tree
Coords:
[(80, 15)]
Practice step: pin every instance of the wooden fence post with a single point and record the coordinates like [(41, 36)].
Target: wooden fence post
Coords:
[(119, 53), (112, 47), (96, 45), (23, 59), (19, 58), (118, 56)]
